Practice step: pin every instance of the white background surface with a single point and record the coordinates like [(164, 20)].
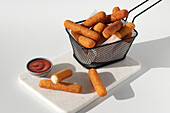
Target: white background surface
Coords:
[(30, 28)]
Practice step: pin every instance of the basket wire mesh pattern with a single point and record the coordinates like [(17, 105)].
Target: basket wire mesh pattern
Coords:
[(105, 54), (101, 55)]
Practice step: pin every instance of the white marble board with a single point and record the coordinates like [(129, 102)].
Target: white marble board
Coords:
[(65, 102)]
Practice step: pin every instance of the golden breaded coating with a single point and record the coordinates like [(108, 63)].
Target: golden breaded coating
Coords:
[(75, 35), (98, 17), (86, 42), (61, 75), (115, 9), (108, 17), (83, 41), (97, 83), (119, 15), (112, 28), (125, 30), (128, 36), (99, 27), (62, 86), (82, 30)]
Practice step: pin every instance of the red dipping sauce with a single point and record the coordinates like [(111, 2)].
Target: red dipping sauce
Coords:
[(39, 65)]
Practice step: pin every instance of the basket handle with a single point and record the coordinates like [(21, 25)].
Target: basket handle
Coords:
[(145, 10), (136, 7)]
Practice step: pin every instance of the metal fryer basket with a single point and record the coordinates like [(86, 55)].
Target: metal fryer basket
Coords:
[(105, 54)]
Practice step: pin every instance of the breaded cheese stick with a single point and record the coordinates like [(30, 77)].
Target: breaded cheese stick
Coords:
[(112, 28), (128, 36), (62, 86), (82, 30), (108, 17), (99, 27), (98, 17), (119, 15), (115, 9), (97, 83), (61, 75), (75, 35), (121, 34), (83, 41), (86, 42), (125, 30)]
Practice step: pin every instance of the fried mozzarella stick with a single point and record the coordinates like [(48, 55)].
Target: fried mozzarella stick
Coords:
[(83, 41), (115, 9), (125, 30), (86, 42), (98, 17), (119, 15), (62, 86), (128, 36), (61, 75), (108, 17), (75, 35), (112, 28), (82, 30), (99, 27), (97, 83)]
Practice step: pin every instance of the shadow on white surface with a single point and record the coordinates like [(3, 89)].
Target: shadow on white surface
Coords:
[(151, 54), (59, 67), (124, 92), (82, 78), (127, 64)]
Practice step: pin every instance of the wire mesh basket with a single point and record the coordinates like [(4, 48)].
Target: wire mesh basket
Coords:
[(101, 55), (105, 54)]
